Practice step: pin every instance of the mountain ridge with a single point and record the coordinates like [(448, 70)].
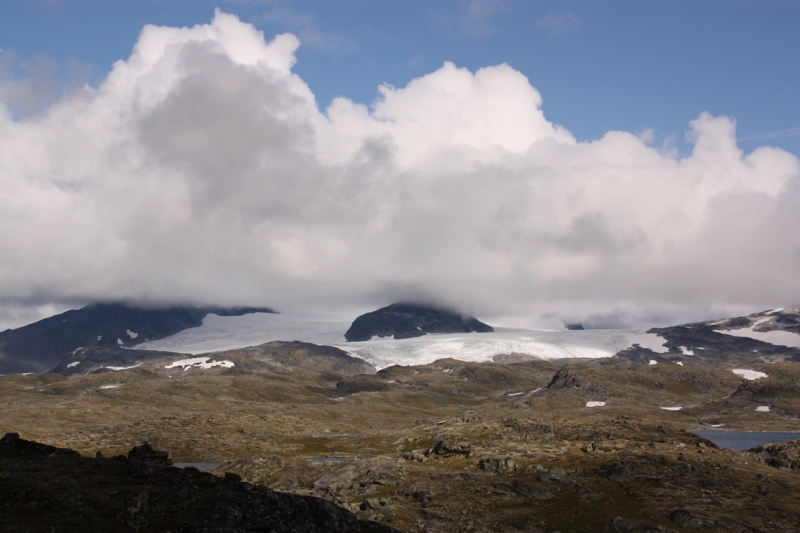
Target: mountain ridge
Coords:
[(39, 346)]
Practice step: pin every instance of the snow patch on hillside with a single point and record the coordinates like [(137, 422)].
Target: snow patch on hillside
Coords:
[(199, 362), (118, 368), (780, 338), (651, 341), (749, 374)]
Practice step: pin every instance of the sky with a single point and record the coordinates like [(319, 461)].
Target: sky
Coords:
[(618, 163)]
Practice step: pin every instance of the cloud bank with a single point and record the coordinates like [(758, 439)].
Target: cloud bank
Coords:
[(202, 170)]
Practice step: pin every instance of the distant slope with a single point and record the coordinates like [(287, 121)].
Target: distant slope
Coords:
[(272, 357), (39, 346), (405, 321)]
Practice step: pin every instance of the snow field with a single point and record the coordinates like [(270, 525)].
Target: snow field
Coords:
[(226, 333)]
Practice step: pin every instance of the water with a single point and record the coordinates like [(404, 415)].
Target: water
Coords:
[(200, 466), (744, 440)]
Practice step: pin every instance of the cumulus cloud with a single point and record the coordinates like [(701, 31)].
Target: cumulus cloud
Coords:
[(202, 170)]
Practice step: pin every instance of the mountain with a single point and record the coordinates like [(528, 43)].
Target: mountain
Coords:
[(769, 336), (39, 346), (406, 320)]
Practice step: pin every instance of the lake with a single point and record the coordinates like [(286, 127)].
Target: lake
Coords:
[(200, 466), (744, 440)]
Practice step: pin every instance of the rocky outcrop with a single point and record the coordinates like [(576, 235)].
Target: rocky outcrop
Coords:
[(497, 466), (44, 488), (405, 321), (783, 455), (448, 448)]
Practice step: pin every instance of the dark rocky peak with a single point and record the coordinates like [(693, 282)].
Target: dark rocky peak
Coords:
[(408, 320)]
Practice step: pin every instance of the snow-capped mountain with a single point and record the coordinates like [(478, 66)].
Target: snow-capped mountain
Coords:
[(39, 346)]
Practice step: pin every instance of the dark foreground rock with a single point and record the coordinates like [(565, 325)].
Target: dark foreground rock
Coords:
[(405, 320), (44, 488)]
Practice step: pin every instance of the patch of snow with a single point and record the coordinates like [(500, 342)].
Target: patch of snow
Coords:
[(117, 368), (199, 362), (515, 393), (99, 337), (717, 425), (119, 341), (391, 381), (537, 390), (30, 373), (109, 386), (595, 404), (652, 362), (672, 408), (778, 310), (749, 374), (131, 334), (777, 337), (651, 341), (679, 363), (763, 408), (76, 363), (76, 350), (447, 370), (686, 351)]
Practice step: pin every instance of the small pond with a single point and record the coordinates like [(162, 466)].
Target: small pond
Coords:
[(200, 466), (744, 440)]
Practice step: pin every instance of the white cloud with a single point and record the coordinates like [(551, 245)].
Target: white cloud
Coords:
[(201, 170)]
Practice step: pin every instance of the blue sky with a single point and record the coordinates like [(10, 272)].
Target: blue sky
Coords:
[(613, 65)]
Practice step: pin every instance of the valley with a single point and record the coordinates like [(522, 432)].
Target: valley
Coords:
[(513, 443)]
